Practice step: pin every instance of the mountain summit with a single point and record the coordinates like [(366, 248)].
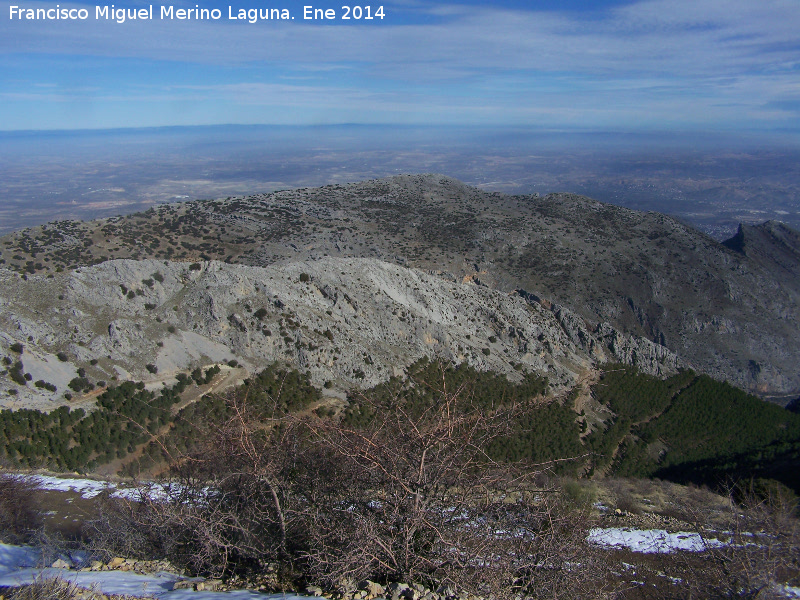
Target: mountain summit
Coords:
[(729, 310)]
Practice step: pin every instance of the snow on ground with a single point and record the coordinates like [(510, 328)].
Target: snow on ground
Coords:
[(18, 566), (652, 541), (16, 557), (89, 488)]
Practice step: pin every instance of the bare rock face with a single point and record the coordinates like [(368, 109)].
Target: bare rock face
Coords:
[(650, 357), (353, 321), (731, 310)]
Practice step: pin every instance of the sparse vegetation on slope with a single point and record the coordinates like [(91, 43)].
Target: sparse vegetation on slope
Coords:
[(644, 273)]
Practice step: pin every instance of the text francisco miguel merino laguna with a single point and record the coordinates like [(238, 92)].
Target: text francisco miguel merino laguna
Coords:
[(120, 15)]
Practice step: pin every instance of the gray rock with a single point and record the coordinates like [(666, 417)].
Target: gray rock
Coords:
[(209, 585), (373, 589), (184, 584), (726, 309), (357, 321)]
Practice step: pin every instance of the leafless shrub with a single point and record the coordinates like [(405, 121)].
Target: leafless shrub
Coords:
[(581, 493), (415, 498), (758, 551), (131, 528), (628, 504), (44, 588), (19, 512), (766, 545), (412, 496), (226, 505)]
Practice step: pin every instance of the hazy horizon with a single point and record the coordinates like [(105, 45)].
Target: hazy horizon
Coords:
[(711, 182), (689, 107)]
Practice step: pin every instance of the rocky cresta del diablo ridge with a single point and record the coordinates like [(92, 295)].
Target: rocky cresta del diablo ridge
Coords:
[(357, 280)]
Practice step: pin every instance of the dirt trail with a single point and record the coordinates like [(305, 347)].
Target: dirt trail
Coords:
[(227, 378)]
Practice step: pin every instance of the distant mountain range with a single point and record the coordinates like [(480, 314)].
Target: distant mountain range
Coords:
[(352, 282)]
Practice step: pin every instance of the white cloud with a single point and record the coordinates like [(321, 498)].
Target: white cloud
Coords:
[(682, 37), (694, 60)]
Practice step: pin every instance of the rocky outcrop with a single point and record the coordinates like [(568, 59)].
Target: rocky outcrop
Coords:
[(730, 310), (604, 343), (350, 321)]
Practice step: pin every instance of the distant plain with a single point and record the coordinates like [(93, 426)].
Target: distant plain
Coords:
[(712, 182)]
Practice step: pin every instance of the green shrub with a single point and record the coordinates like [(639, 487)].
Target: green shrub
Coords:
[(16, 375), (579, 493), (45, 385), (79, 384)]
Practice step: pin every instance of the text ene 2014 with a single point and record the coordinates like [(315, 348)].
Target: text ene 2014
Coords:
[(357, 13)]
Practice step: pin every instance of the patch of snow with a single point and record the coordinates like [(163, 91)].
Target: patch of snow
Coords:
[(89, 488), (17, 557), (651, 541), (18, 566), (148, 491)]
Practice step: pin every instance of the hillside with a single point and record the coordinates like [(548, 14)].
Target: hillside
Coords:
[(347, 321), (728, 310)]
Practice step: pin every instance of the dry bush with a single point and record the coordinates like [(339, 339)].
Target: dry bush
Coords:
[(765, 547), (414, 497), (580, 492), (628, 504), (19, 511), (227, 505), (133, 529), (760, 551), (410, 497), (44, 588)]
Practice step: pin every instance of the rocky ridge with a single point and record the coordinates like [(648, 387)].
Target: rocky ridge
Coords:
[(730, 310), (350, 321)]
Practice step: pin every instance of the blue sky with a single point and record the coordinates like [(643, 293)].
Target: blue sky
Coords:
[(666, 65)]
